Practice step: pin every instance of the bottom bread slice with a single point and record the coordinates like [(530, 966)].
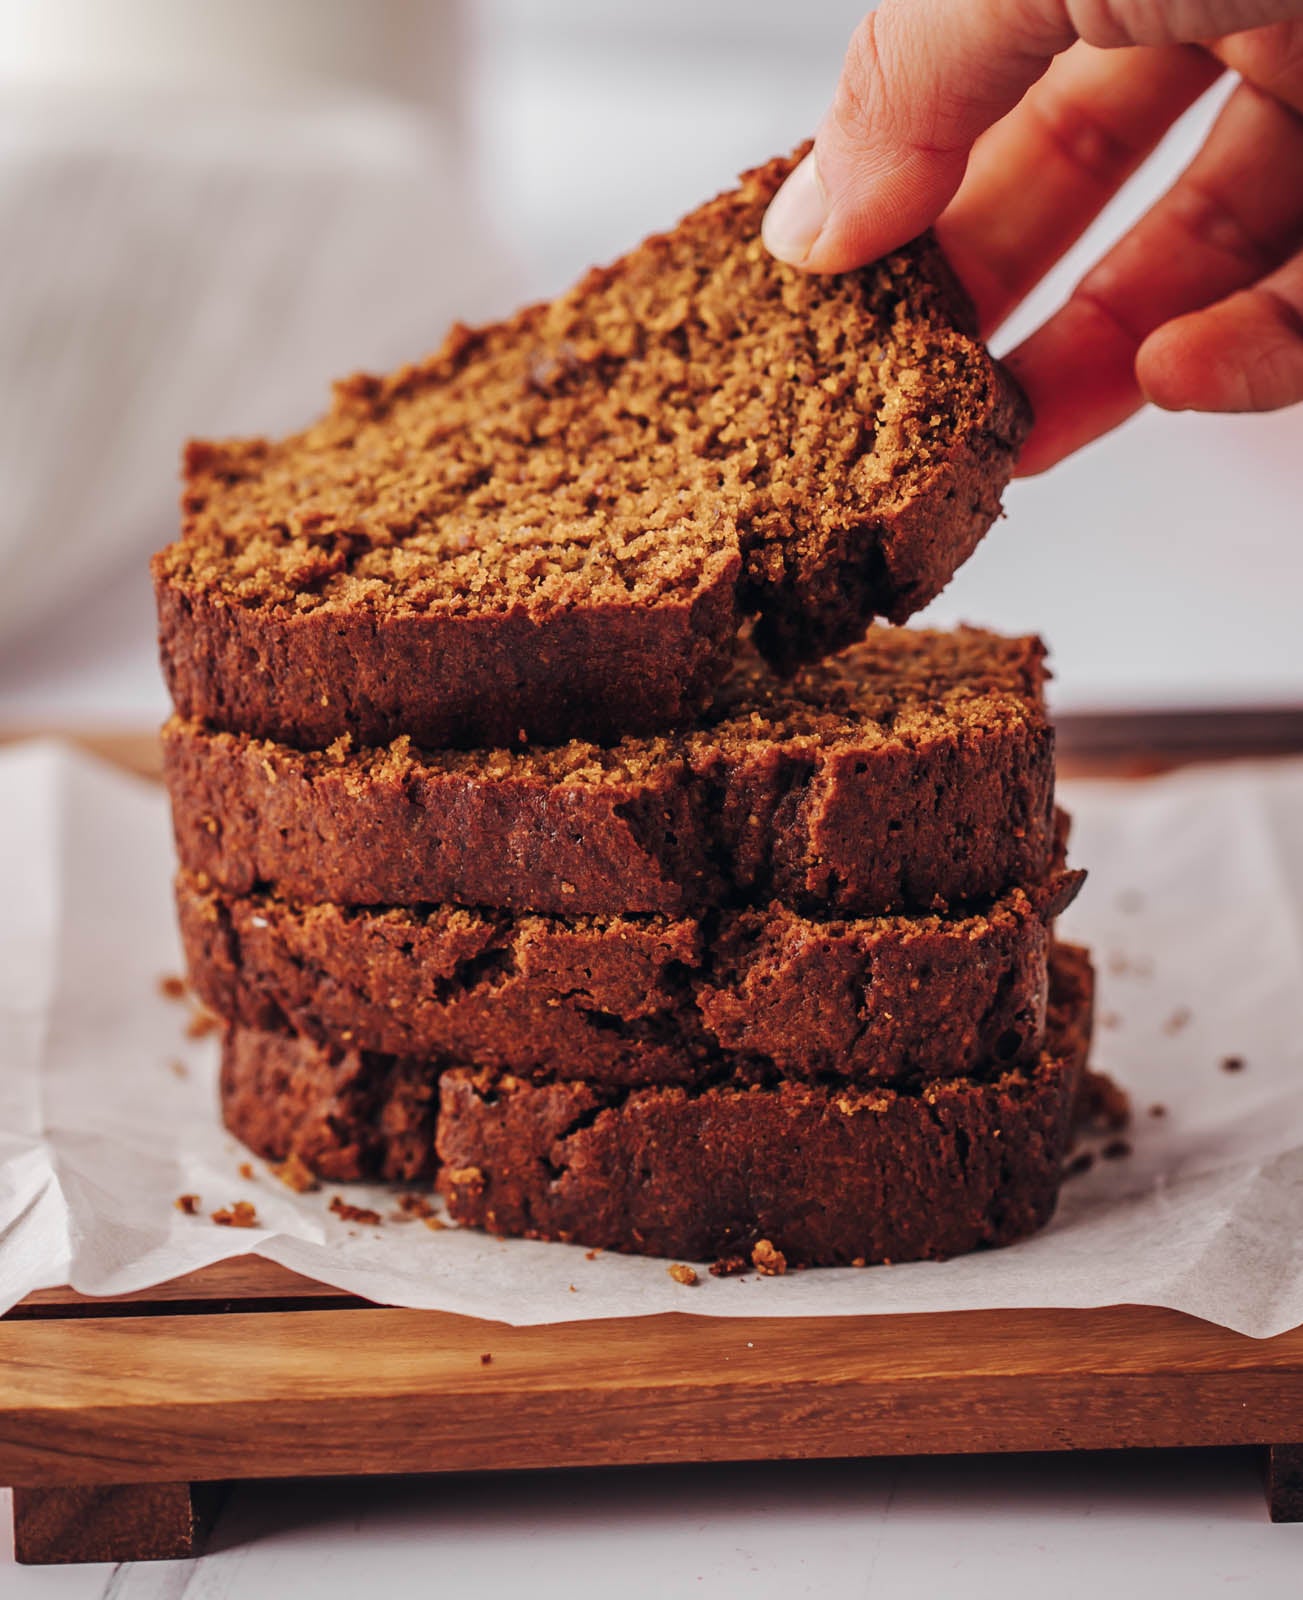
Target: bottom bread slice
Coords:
[(826, 1174)]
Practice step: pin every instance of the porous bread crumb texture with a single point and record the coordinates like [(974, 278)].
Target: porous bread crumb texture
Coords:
[(753, 995), (914, 770), (691, 435), (826, 1174)]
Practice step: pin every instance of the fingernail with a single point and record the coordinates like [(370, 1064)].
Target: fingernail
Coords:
[(796, 215)]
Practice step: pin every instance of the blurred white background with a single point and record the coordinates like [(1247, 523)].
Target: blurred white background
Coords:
[(210, 207)]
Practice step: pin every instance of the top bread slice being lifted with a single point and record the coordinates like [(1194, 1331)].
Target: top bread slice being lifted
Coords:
[(554, 526)]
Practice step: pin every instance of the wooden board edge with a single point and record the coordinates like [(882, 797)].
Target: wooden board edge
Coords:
[(57, 1525)]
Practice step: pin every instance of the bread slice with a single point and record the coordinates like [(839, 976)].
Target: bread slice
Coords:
[(914, 771), (638, 1000), (553, 526), (827, 1174)]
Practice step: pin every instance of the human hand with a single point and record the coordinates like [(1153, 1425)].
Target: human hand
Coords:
[(1011, 123)]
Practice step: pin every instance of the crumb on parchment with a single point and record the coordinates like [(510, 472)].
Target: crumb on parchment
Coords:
[(347, 1212), (246, 1171), (727, 1267), (172, 986), (295, 1174), (188, 1204), (240, 1215), (768, 1261), (202, 1022), (682, 1273)]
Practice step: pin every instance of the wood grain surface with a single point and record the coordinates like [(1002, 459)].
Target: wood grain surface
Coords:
[(371, 1390), (121, 1522)]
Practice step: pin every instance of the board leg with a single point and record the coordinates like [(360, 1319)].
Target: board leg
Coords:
[(118, 1522), (1285, 1482)]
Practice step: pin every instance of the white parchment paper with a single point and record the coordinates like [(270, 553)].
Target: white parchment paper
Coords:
[(1194, 907)]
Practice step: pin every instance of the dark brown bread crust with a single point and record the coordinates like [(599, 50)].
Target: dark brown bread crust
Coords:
[(828, 793), (827, 1176), (812, 526), (639, 1001)]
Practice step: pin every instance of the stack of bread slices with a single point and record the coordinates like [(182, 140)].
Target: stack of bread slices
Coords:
[(551, 830)]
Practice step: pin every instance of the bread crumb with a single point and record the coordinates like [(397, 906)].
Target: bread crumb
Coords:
[(172, 987), (346, 1212), (727, 1267), (435, 1224), (591, 1255), (415, 1205), (246, 1171), (188, 1203), (486, 1359), (241, 1215), (202, 1022), (573, 1290), (768, 1261), (471, 1178), (295, 1174), (682, 1273), (1233, 1063), (1157, 1110), (1115, 1150)]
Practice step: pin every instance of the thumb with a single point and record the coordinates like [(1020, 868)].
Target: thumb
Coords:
[(921, 80)]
